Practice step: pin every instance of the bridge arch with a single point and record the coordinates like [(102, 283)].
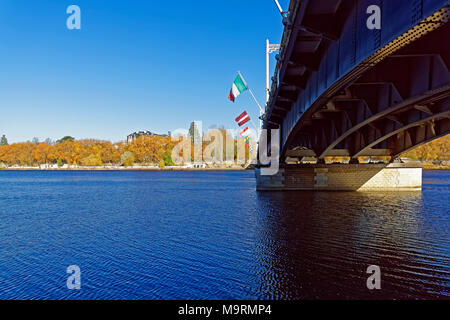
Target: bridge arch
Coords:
[(342, 89)]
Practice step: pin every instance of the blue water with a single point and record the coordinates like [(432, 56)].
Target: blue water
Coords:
[(210, 235)]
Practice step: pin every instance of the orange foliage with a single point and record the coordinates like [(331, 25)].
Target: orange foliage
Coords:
[(90, 152), (148, 150)]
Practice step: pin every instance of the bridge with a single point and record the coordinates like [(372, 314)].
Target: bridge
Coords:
[(344, 86)]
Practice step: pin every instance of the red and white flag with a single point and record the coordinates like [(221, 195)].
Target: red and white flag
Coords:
[(245, 132), (243, 119)]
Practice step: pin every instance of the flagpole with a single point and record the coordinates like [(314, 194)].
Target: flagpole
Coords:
[(261, 110), (256, 128)]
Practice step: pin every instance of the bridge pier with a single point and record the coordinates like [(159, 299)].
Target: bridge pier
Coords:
[(343, 177)]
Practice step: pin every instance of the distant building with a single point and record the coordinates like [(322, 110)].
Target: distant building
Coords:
[(146, 133)]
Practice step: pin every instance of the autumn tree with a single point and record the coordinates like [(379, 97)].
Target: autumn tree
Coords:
[(41, 153), (128, 158), (438, 149)]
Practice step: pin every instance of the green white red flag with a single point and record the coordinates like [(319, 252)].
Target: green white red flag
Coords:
[(239, 86)]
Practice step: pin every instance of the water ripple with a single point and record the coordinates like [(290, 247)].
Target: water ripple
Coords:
[(209, 235)]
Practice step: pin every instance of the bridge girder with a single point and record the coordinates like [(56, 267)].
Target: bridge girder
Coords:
[(402, 90), (375, 109)]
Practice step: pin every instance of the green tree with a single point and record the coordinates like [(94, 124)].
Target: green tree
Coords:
[(3, 141), (193, 132), (66, 138), (167, 158)]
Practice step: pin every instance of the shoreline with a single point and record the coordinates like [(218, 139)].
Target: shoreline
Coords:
[(426, 167), (121, 169), (436, 168), (169, 169)]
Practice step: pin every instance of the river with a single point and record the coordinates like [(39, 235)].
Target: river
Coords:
[(210, 235)]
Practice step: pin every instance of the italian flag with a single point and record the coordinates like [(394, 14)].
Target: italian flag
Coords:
[(238, 87)]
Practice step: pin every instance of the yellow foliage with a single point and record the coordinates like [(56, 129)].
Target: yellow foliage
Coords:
[(128, 158), (92, 161), (438, 149), (162, 164)]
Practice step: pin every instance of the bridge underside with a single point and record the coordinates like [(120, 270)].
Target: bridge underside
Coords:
[(395, 100), (397, 105)]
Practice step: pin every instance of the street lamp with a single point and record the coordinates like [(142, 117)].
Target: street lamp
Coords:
[(284, 14)]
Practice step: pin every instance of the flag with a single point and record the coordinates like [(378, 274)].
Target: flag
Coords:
[(248, 145), (243, 133), (238, 87), (243, 119)]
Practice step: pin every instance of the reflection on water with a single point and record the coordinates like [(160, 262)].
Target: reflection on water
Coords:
[(320, 245), (210, 235)]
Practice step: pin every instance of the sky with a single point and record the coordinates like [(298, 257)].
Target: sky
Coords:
[(134, 65)]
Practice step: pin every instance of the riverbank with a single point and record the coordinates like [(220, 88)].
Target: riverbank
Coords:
[(434, 167), (437, 165), (426, 167), (118, 168)]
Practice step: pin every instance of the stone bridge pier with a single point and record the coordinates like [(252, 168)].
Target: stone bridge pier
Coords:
[(343, 177)]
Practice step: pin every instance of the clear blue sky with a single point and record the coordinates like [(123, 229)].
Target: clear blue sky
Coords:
[(134, 65)]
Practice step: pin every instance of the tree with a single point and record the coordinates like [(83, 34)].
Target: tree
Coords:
[(162, 165), (438, 149), (167, 158), (41, 153), (66, 138), (3, 141), (193, 132), (92, 161), (35, 140), (128, 158)]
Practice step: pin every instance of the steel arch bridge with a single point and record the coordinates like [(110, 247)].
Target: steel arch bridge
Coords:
[(342, 89)]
